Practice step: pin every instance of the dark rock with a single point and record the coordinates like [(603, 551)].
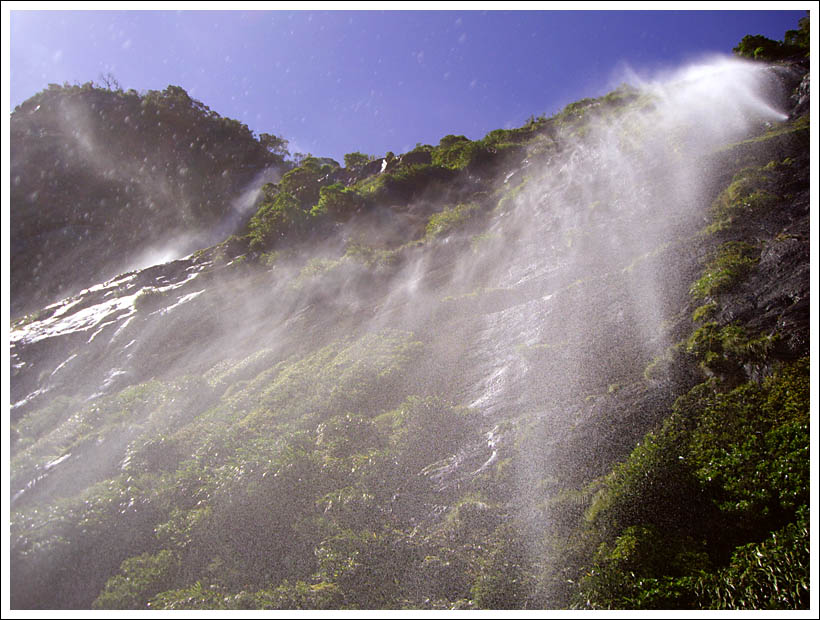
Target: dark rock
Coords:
[(371, 168)]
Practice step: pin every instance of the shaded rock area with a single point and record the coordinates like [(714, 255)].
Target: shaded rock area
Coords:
[(104, 181)]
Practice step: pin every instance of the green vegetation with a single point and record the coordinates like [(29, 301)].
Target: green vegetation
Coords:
[(371, 257), (306, 180), (276, 219), (726, 349), (663, 516), (772, 574), (329, 456), (356, 161), (263, 474), (733, 261), (338, 202), (409, 182), (709, 510), (277, 145), (443, 223), (140, 578), (146, 168), (746, 197), (457, 152), (286, 208), (794, 43)]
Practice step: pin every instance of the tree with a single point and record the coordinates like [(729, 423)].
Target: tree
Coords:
[(110, 82), (457, 152), (274, 144), (356, 161), (306, 179), (795, 42), (337, 201), (275, 219), (799, 38), (758, 47), (140, 578)]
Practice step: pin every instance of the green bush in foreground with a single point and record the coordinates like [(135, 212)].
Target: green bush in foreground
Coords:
[(710, 510)]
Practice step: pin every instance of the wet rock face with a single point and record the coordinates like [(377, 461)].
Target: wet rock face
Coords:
[(371, 168), (789, 77), (801, 99), (91, 339), (774, 298)]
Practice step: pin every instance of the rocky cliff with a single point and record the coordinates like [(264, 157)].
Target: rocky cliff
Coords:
[(562, 366)]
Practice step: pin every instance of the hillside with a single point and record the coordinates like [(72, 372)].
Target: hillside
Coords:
[(103, 181), (563, 366)]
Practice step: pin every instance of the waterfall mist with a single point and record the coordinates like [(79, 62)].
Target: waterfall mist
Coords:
[(527, 320), (106, 181)]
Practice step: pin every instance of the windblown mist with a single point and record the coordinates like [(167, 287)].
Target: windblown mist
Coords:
[(420, 403)]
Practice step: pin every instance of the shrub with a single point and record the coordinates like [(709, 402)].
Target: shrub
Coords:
[(457, 152), (773, 574), (149, 299), (725, 350), (197, 596), (275, 220), (371, 257), (745, 197), (651, 487), (733, 261), (443, 223), (407, 182), (344, 436), (298, 595), (338, 202), (752, 444), (356, 161), (140, 578), (739, 458), (505, 578), (641, 570), (304, 182), (366, 566), (702, 313)]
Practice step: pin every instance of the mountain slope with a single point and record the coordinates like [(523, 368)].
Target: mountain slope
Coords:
[(420, 382), (105, 180)]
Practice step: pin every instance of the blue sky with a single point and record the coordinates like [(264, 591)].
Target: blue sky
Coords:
[(332, 82)]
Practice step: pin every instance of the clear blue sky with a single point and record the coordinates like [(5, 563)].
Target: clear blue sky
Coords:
[(333, 82)]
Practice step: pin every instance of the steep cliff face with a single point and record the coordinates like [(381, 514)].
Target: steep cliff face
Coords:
[(103, 181), (422, 383)]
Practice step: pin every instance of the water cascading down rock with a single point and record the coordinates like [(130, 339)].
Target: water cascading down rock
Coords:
[(358, 423)]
